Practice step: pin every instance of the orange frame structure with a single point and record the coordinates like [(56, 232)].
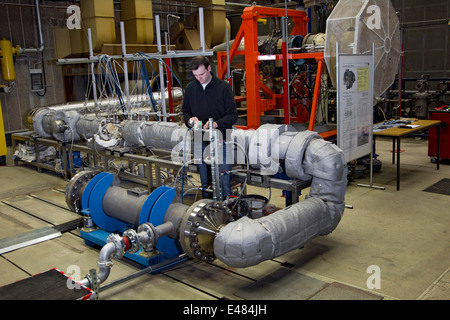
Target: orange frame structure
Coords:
[(256, 105)]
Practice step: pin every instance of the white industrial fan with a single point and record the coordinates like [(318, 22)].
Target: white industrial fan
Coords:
[(356, 25)]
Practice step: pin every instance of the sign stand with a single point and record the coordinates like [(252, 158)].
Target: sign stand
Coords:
[(355, 82)]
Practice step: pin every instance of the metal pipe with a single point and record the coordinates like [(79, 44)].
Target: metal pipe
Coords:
[(160, 65), (217, 190), (41, 38), (104, 264), (247, 242), (104, 261), (174, 214), (150, 269), (425, 22), (125, 63), (40, 119), (134, 99), (168, 29), (202, 30), (91, 55), (146, 237), (228, 55)]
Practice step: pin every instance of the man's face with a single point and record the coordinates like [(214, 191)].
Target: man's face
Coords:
[(202, 74)]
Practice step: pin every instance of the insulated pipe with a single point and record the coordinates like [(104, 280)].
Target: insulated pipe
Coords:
[(64, 125), (157, 134), (42, 119), (247, 242), (88, 126), (140, 103), (164, 135)]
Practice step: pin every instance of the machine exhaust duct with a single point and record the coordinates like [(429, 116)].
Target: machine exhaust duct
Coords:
[(247, 242)]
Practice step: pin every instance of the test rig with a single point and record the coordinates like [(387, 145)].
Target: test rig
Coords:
[(154, 226)]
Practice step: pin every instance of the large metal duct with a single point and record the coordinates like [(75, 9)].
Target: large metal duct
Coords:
[(247, 242)]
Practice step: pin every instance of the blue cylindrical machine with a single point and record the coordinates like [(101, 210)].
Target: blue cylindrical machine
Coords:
[(108, 208)]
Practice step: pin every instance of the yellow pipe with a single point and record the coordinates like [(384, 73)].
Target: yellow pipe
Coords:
[(7, 51)]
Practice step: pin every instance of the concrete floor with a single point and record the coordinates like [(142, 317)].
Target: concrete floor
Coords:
[(403, 233)]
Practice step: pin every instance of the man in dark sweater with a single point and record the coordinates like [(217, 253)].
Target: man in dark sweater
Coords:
[(209, 97)]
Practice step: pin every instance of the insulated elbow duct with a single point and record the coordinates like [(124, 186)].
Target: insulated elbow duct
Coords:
[(247, 242)]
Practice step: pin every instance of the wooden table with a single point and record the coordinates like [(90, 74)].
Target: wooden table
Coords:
[(396, 133)]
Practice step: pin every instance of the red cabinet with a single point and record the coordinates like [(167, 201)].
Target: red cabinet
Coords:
[(444, 151)]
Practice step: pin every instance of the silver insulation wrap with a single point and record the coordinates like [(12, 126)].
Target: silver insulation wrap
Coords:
[(69, 120), (88, 126), (247, 242)]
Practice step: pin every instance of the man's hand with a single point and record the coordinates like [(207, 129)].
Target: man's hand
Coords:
[(193, 122), (206, 126)]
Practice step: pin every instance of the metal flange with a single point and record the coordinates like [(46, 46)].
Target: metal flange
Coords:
[(118, 244), (131, 234), (75, 188), (202, 221), (147, 236)]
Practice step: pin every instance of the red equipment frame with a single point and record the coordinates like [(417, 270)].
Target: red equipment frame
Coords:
[(256, 105)]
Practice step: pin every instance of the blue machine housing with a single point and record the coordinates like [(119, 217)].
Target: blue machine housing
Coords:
[(152, 211)]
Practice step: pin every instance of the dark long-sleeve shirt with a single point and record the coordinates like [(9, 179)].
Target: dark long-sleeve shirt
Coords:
[(215, 101)]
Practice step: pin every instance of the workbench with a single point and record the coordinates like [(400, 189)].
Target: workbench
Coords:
[(400, 131)]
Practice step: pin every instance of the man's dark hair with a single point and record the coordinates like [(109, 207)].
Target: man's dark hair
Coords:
[(196, 62)]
